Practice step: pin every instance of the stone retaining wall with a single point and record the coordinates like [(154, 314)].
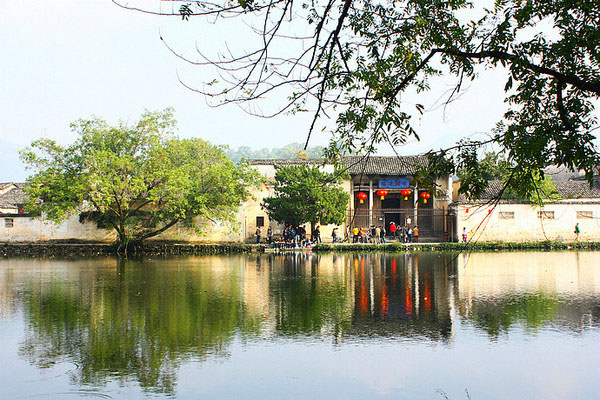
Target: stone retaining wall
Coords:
[(92, 250)]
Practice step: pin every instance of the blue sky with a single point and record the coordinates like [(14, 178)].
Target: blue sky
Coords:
[(71, 59)]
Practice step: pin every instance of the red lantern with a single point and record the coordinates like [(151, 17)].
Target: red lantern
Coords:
[(406, 193), (467, 210), (382, 193), (20, 211), (361, 196), (425, 196)]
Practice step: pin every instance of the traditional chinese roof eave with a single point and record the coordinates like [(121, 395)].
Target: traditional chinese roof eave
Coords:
[(372, 166)]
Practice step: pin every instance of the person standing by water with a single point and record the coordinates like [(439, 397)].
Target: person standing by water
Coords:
[(317, 235), (416, 234), (393, 229), (334, 235), (270, 235), (464, 234), (577, 231), (355, 232), (258, 233)]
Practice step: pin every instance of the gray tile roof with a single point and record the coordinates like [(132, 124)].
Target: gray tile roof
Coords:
[(381, 165), (568, 189), (357, 165), (13, 197), (559, 174)]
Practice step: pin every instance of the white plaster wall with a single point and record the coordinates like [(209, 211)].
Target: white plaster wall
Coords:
[(444, 192), (483, 223), (205, 232), (26, 229), (268, 171), (251, 209)]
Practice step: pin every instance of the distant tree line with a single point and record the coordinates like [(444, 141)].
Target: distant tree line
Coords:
[(289, 151)]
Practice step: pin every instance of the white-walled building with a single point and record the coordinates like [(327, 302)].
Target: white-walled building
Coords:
[(515, 221), (403, 203), (439, 214)]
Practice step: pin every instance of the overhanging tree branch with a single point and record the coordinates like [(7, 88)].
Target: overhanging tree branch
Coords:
[(497, 55)]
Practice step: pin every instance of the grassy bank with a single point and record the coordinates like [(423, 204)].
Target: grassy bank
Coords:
[(451, 246)]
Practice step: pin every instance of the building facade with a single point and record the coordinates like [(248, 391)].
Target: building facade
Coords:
[(517, 221), (382, 190)]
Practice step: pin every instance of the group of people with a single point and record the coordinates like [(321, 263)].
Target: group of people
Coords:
[(292, 237), (404, 233), (295, 236), (258, 234), (377, 234)]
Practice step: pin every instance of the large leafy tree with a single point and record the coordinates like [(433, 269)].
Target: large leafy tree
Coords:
[(363, 57), (138, 179), (307, 194)]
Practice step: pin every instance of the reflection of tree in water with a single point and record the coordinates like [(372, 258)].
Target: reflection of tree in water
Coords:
[(141, 326), (140, 321), (496, 315), (307, 299)]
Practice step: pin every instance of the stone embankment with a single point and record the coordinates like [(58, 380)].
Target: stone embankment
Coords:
[(451, 246), (95, 249)]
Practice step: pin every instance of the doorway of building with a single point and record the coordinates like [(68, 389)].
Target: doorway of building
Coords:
[(396, 217)]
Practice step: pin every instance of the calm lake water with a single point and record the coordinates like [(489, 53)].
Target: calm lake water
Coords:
[(301, 326)]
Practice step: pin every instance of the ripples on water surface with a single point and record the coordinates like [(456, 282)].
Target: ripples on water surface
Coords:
[(298, 326)]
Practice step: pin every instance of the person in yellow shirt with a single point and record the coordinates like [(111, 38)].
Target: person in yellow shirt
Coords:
[(355, 235)]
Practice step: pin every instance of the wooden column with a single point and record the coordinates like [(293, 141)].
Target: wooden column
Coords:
[(416, 206), (370, 203)]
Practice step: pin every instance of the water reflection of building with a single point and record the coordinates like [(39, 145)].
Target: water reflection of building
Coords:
[(404, 295), (352, 295), (115, 319), (497, 290), (8, 293)]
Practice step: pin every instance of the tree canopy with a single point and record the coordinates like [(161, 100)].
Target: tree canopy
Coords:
[(137, 179), (354, 60), (533, 187), (307, 194)]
